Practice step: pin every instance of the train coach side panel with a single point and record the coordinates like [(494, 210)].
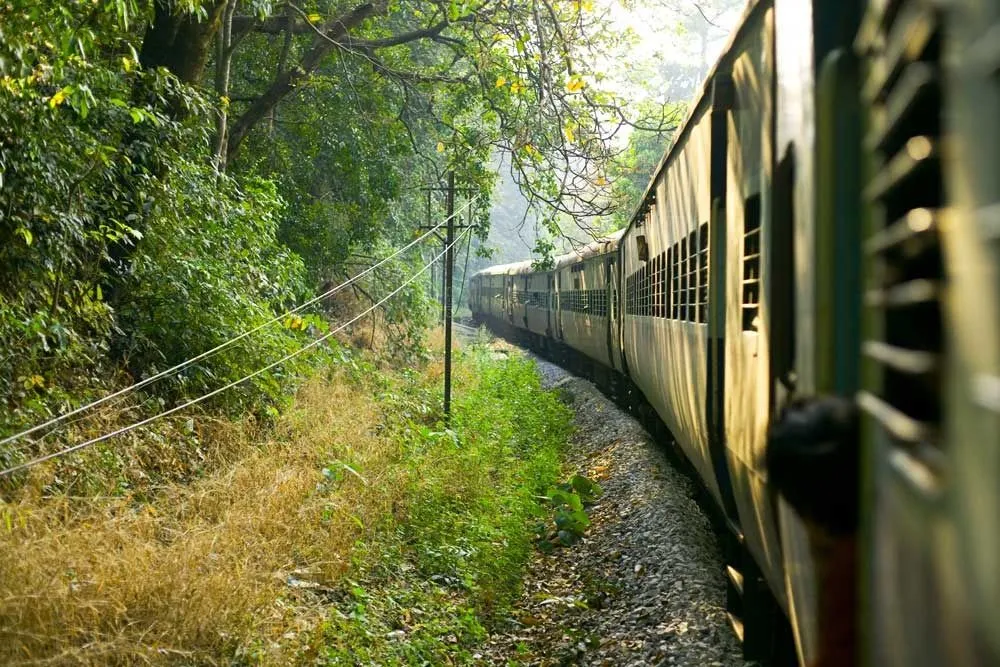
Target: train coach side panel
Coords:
[(664, 333), (584, 308), (747, 371)]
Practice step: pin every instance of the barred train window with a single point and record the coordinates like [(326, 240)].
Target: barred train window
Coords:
[(683, 315), (668, 285), (657, 285), (692, 278), (703, 273), (751, 261), (647, 293), (591, 302)]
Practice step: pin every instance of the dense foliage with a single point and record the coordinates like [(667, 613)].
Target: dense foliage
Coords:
[(175, 172)]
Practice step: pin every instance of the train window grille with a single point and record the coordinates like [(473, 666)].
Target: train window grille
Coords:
[(656, 285), (634, 292), (640, 283), (668, 284), (703, 273), (751, 262), (637, 293), (904, 252), (590, 302), (682, 290), (647, 290), (691, 300)]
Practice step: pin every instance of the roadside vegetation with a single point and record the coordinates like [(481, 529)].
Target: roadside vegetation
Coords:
[(359, 529)]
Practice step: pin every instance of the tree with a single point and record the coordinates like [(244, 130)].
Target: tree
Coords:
[(526, 68)]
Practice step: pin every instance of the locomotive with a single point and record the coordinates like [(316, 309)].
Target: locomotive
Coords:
[(825, 223)]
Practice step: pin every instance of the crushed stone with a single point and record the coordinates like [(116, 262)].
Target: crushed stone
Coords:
[(645, 585)]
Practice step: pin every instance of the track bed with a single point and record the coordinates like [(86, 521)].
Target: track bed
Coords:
[(646, 584)]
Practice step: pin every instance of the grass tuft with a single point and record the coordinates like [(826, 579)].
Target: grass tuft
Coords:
[(360, 529)]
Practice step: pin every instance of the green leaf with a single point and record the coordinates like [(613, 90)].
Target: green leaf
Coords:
[(25, 234)]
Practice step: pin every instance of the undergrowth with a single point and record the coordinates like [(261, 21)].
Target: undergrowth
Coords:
[(362, 530)]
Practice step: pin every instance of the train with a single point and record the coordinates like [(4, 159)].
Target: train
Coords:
[(824, 225)]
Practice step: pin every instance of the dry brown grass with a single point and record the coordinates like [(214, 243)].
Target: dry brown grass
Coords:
[(199, 572)]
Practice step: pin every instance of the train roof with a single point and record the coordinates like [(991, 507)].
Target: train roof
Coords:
[(601, 246)]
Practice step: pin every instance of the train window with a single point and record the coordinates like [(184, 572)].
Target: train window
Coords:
[(668, 284), (642, 248), (657, 285), (751, 262), (675, 281), (646, 295), (640, 283), (682, 291), (703, 272), (905, 257), (692, 278)]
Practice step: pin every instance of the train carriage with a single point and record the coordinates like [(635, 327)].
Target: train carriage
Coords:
[(665, 264), (583, 317), (825, 224)]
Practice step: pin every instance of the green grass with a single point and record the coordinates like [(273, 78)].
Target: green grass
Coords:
[(429, 584), (358, 530)]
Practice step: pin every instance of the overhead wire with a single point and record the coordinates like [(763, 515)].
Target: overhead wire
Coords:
[(125, 429), (465, 271), (208, 353)]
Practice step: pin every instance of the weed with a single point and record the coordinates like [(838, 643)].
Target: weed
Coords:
[(568, 501), (359, 529)]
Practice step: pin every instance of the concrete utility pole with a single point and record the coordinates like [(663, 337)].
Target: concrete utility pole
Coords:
[(447, 279), (449, 261)]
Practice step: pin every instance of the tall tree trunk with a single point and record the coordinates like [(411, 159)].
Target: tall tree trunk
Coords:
[(286, 47), (223, 63), (180, 41)]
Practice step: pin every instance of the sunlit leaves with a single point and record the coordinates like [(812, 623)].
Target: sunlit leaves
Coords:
[(575, 84), (568, 131), (59, 97)]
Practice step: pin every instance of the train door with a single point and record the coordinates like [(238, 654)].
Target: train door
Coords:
[(611, 288), (747, 365), (525, 300), (558, 313), (550, 301), (509, 297)]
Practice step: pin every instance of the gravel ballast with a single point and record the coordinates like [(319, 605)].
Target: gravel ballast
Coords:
[(645, 585)]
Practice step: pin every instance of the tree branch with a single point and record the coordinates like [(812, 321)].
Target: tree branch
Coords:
[(285, 82)]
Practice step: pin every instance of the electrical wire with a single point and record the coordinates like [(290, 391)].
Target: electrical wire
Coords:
[(184, 364), (204, 397), (465, 271)]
